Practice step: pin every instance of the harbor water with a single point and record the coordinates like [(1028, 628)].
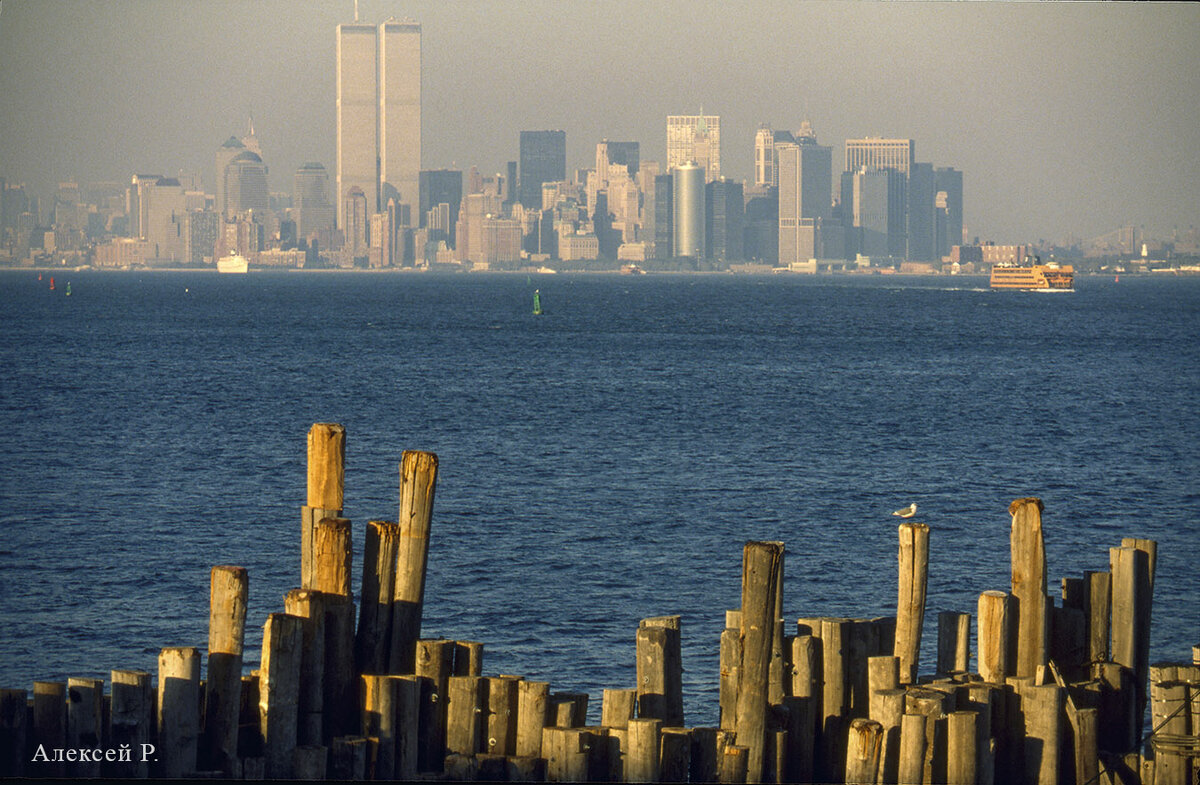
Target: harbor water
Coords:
[(600, 463)]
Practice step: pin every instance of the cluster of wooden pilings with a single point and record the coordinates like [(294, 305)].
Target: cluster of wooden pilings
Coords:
[(1058, 694)]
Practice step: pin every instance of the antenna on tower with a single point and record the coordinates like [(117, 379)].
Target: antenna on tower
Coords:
[(356, 11)]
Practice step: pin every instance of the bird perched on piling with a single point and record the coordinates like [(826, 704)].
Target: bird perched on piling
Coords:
[(908, 511)]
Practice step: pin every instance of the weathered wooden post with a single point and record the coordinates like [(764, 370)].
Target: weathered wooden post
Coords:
[(464, 708), (1041, 707), (348, 758), (309, 606), (1098, 607), (418, 481), (642, 761), (533, 705), (617, 707), (994, 634), (1029, 585), (1132, 567), (982, 699), (835, 697), (178, 710), (279, 691), (660, 669), (961, 755), (408, 716), (435, 661), (500, 726), (130, 721), (735, 764), (14, 732), (326, 478), (954, 639), (760, 570), (676, 760), (912, 749), (332, 557), (468, 658), (49, 724), (379, 713), (309, 762), (229, 591), (910, 603), (85, 698), (863, 749), (887, 708), (731, 669), (374, 636)]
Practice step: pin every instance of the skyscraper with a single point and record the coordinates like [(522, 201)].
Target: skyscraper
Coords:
[(949, 181), (378, 104), (543, 159), (312, 206), (765, 158), (399, 110), (695, 138), (874, 153), (805, 173), (225, 153), (441, 186), (245, 179), (689, 210)]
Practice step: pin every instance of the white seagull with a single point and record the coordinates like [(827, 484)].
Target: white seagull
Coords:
[(908, 511)]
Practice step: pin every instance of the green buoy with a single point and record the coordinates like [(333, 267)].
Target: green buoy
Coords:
[(537, 302)]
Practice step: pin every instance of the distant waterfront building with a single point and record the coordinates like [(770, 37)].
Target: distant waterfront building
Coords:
[(245, 181), (311, 204), (441, 186), (664, 216), (872, 153), (225, 153), (201, 228), (164, 206), (378, 105), (949, 181), (695, 138), (724, 210), (355, 223), (765, 159), (879, 212), (543, 159), (805, 173), (921, 229), (689, 210)]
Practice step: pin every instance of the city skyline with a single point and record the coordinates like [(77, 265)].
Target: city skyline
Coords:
[(1065, 118)]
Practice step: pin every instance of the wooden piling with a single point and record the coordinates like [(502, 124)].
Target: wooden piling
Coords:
[(379, 714), (1132, 592), (708, 748), (533, 705), (994, 632), (178, 711), (49, 724), (835, 697), (982, 699), (468, 658), (1099, 610), (309, 606), (617, 707), (961, 755), (332, 555), (863, 748), (374, 635), (407, 698), (1029, 585), (953, 645), (801, 735), (731, 670), (309, 762), (464, 708), (229, 591), (887, 708), (735, 764), (418, 481), (760, 569), (326, 478), (642, 759), (131, 718), (279, 691), (435, 661), (910, 604), (84, 700), (660, 669), (675, 761), (499, 727), (1119, 723), (14, 732), (1041, 707), (348, 758), (912, 749)]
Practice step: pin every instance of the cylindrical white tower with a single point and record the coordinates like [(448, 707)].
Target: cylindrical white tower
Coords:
[(689, 209)]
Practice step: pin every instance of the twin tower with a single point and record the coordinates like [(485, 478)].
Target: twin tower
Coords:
[(378, 84)]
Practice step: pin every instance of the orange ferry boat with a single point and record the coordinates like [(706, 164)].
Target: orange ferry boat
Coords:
[(1034, 276)]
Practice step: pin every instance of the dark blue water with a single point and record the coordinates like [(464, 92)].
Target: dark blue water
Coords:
[(600, 464)]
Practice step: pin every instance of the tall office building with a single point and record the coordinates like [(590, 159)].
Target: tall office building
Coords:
[(922, 198), (724, 206), (225, 153), (689, 210), (245, 181), (874, 153), (543, 159), (311, 204), (949, 181), (695, 138), (399, 110), (378, 104), (437, 187), (879, 212), (805, 173), (765, 158)]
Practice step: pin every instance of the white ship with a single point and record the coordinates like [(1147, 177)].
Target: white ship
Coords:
[(234, 263)]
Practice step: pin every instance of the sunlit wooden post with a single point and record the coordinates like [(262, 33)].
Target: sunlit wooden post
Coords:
[(910, 603), (229, 590), (1029, 585), (326, 479), (418, 481)]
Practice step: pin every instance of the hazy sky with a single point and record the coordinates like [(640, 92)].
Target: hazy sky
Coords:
[(1064, 118)]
